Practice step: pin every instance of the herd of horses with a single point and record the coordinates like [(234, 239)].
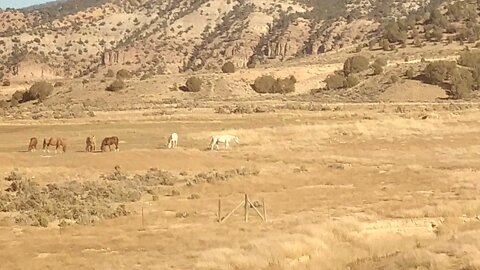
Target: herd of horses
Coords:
[(90, 143)]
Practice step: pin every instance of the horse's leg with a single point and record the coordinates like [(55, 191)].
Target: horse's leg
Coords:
[(226, 145)]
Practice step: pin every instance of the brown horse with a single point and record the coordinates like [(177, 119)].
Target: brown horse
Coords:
[(109, 141), (57, 142), (90, 144), (32, 146)]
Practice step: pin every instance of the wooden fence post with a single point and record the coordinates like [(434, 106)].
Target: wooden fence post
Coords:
[(246, 207), (143, 219), (264, 210), (219, 210)]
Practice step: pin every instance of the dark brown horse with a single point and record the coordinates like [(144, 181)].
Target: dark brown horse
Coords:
[(109, 141), (57, 142), (32, 146), (90, 144)]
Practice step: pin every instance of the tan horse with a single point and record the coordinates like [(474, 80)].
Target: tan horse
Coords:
[(57, 142), (90, 144), (109, 141), (32, 146)]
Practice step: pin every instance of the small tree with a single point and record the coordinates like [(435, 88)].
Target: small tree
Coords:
[(116, 86), (355, 64), (228, 67)]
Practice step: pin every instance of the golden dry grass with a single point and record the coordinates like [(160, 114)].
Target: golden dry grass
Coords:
[(378, 190)]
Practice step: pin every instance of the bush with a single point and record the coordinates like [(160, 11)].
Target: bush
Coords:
[(18, 96), (268, 84), (355, 64), (6, 83), (286, 85), (58, 84), (228, 67), (39, 91), (146, 76), (377, 69), (264, 84), (110, 73), (439, 71), (335, 81), (469, 59), (462, 83), (193, 84), (381, 62), (394, 79), (410, 73), (116, 86), (123, 74), (351, 81)]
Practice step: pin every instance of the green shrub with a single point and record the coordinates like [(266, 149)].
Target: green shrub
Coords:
[(39, 91), (6, 83), (377, 68), (228, 67), (394, 79), (58, 84), (123, 74), (355, 64), (110, 73), (193, 84), (18, 96), (381, 62), (116, 86)]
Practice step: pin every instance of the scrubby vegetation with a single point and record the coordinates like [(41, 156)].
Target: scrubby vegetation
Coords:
[(88, 202), (39, 91)]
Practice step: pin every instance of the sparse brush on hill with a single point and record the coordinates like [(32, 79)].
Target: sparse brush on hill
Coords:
[(268, 84), (6, 83), (228, 67), (116, 86), (110, 74)]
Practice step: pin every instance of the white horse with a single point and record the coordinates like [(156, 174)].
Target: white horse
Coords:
[(172, 140), (226, 139)]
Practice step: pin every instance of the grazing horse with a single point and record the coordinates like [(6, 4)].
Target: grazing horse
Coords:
[(57, 142), (173, 140), (32, 146), (226, 139), (90, 144), (109, 141)]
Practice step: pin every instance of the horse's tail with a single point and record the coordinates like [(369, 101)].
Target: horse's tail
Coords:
[(44, 143)]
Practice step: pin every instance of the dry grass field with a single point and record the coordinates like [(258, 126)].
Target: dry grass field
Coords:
[(355, 187)]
